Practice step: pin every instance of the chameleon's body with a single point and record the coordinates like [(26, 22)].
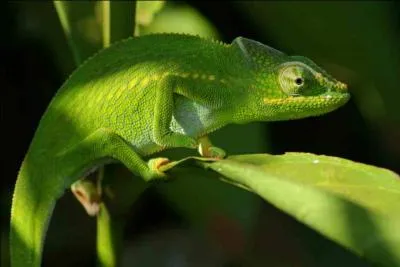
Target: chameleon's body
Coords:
[(146, 94)]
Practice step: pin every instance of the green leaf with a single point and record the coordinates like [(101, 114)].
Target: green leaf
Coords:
[(353, 204), (146, 10), (179, 18)]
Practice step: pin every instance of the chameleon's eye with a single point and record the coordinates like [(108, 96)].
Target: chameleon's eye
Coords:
[(291, 79)]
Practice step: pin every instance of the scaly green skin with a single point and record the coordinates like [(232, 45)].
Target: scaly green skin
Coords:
[(146, 94)]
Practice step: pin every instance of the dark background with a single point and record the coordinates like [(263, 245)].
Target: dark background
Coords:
[(357, 42)]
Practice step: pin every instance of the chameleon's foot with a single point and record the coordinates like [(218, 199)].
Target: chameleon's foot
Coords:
[(206, 149), (155, 164), (216, 152), (87, 194)]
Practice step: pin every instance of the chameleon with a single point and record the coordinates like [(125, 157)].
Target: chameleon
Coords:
[(145, 94)]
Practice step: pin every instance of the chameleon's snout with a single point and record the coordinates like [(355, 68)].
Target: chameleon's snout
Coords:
[(340, 87), (333, 85)]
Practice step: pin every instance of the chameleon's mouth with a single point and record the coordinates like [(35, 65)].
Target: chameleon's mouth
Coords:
[(321, 103)]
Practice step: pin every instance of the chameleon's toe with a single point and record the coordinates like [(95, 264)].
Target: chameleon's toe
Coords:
[(155, 164), (216, 152), (206, 149), (212, 152), (87, 195)]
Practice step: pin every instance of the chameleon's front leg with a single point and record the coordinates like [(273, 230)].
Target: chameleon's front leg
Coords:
[(163, 111)]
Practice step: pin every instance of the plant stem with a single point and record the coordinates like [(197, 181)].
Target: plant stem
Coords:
[(118, 20), (62, 11), (106, 23), (110, 232), (120, 189)]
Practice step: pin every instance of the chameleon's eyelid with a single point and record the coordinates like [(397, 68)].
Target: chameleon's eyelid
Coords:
[(294, 94), (292, 75), (286, 65)]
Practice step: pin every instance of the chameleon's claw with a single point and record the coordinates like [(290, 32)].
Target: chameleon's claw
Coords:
[(216, 152), (87, 194), (206, 149), (155, 164)]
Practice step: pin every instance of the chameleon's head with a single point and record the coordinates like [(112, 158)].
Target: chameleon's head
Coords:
[(289, 87)]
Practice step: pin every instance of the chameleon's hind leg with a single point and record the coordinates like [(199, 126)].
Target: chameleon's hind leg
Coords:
[(89, 192), (104, 145), (94, 151)]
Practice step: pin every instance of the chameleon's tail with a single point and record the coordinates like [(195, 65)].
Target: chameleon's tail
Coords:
[(32, 205)]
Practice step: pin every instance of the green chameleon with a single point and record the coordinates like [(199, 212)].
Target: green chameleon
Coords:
[(146, 94)]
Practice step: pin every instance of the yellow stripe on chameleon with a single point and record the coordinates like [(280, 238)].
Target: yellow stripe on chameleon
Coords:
[(118, 93), (342, 85), (132, 83), (274, 101), (144, 82), (282, 100), (155, 77), (109, 96)]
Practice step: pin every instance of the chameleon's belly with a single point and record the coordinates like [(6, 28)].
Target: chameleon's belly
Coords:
[(190, 118)]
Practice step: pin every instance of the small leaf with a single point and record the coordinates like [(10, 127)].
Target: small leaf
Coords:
[(176, 17)]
